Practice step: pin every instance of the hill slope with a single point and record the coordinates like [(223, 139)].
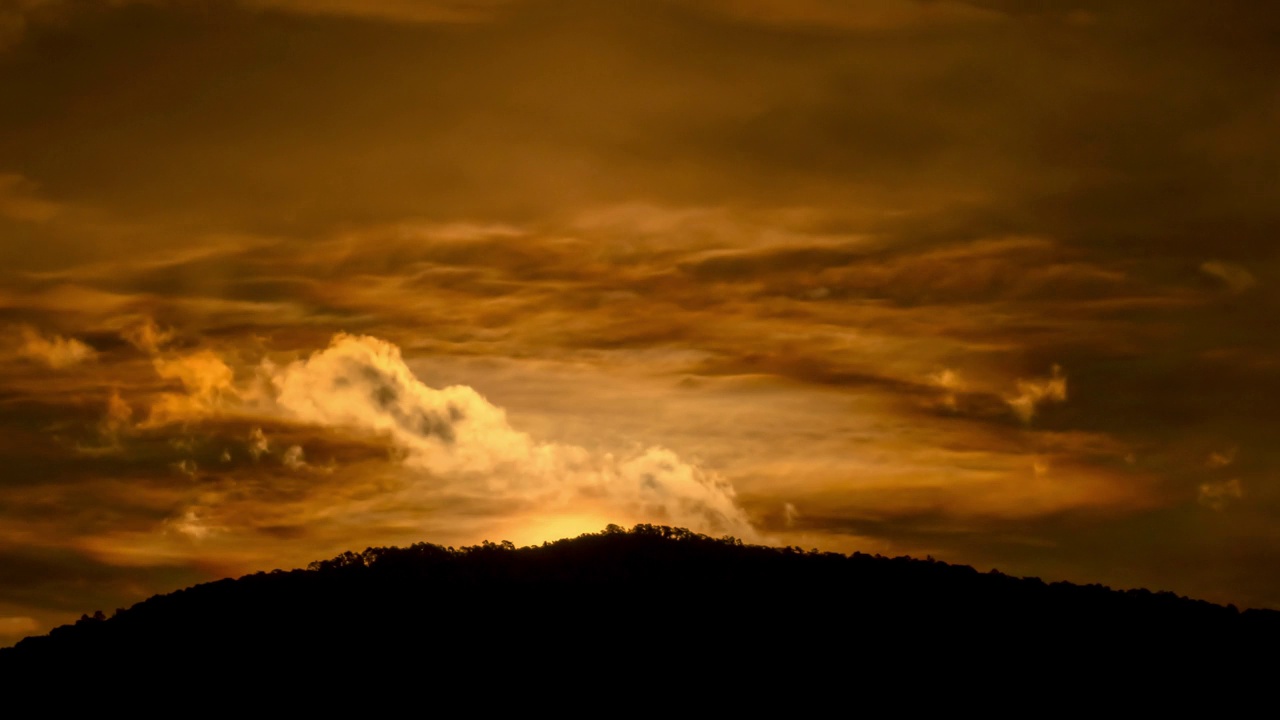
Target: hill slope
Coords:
[(650, 595)]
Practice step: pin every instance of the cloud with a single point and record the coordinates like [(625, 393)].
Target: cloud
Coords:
[(187, 467), (1221, 459), (868, 15), (1034, 393), (18, 197), (16, 16), (294, 458), (1236, 278), (147, 336), (13, 628), (949, 381), (789, 514), (1217, 495), (461, 440), (118, 419), (258, 443), (865, 15), (55, 351), (412, 11), (208, 384), (191, 525), (1040, 466)]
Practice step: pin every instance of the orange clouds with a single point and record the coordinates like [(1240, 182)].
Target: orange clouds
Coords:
[(415, 11), (1236, 278), (867, 15), (18, 198), (453, 433), (808, 269), (1217, 495), (147, 336), (1033, 393), (13, 629), (54, 351), (207, 381)]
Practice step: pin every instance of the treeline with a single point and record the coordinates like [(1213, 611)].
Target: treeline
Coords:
[(653, 594)]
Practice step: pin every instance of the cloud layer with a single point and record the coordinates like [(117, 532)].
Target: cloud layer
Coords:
[(987, 280)]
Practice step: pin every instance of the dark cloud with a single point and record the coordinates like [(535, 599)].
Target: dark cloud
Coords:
[(72, 582)]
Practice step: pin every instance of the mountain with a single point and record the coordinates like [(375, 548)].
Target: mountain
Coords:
[(655, 598)]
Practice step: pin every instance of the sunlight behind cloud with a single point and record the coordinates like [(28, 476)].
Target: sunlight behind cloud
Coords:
[(457, 436)]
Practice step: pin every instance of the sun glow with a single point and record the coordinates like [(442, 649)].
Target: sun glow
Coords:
[(535, 530)]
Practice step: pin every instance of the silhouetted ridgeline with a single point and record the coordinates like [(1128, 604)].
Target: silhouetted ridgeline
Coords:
[(653, 596)]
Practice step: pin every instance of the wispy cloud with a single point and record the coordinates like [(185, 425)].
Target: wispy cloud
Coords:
[(1221, 459), (17, 16), (949, 382), (258, 444), (19, 197), (413, 11), (147, 336), (53, 350), (294, 458), (1218, 495), (1236, 277), (789, 515), (866, 15), (14, 628), (208, 385), (191, 525), (1034, 393)]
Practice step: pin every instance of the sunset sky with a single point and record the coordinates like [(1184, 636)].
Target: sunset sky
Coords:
[(993, 281)]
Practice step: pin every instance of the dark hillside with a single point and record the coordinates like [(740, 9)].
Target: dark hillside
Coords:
[(650, 595)]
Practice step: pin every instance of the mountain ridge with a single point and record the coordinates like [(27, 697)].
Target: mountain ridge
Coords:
[(650, 589)]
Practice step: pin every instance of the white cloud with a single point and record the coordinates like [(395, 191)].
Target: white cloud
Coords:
[(458, 438)]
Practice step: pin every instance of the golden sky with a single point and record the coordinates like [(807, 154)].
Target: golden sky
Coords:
[(993, 281)]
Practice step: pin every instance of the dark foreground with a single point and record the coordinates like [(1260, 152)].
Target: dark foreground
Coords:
[(663, 600)]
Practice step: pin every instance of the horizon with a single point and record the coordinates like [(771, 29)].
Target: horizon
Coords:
[(665, 533)]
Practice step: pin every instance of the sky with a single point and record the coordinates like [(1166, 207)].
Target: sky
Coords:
[(993, 281)]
